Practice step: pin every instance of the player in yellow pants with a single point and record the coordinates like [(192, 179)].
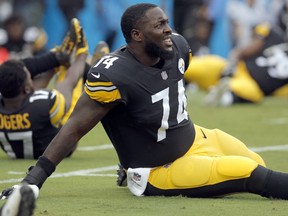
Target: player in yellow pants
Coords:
[(211, 160), (206, 72), (250, 74)]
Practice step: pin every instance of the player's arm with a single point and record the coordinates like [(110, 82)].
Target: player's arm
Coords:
[(86, 115), (255, 46), (41, 63), (257, 43), (92, 106), (42, 67)]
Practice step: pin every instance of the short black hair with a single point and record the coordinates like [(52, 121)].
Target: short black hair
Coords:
[(14, 18), (12, 77), (132, 16)]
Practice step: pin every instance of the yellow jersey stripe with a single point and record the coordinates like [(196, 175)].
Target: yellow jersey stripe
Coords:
[(103, 95), (57, 111)]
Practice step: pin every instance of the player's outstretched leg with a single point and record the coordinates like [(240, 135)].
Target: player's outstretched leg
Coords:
[(20, 203), (64, 52), (70, 38)]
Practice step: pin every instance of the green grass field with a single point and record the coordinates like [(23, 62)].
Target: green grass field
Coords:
[(85, 184)]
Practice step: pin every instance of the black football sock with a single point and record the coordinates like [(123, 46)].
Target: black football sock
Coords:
[(268, 183)]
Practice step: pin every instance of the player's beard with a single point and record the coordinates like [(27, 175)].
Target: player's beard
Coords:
[(154, 50)]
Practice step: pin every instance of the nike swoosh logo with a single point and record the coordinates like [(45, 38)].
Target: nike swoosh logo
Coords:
[(204, 136), (97, 76)]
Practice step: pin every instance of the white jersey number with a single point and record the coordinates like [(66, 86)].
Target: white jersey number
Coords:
[(181, 114), (277, 63), (25, 137), (107, 60)]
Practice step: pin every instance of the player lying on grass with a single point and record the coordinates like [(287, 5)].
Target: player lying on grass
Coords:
[(251, 73), (31, 115)]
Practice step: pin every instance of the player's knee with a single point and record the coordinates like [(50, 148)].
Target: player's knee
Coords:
[(235, 167), (197, 171), (191, 171)]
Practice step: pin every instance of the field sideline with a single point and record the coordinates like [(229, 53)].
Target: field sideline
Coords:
[(85, 184)]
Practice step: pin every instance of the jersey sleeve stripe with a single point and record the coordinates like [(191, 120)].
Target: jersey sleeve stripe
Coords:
[(101, 88), (57, 111), (103, 96)]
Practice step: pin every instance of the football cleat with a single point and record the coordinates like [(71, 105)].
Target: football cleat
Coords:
[(121, 176), (100, 50), (20, 203), (70, 39), (64, 52), (82, 44)]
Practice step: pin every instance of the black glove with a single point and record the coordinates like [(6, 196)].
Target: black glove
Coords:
[(121, 176)]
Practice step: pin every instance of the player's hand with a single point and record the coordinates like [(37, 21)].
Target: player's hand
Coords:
[(229, 70), (121, 176)]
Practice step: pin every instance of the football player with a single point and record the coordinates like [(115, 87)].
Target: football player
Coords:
[(30, 116), (138, 94), (250, 74)]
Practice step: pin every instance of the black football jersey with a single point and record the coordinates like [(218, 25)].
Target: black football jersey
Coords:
[(270, 67), (26, 132), (150, 125)]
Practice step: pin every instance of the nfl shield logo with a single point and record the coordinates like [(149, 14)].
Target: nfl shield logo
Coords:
[(164, 75), (181, 65)]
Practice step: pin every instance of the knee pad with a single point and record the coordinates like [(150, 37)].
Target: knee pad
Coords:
[(234, 167), (197, 171), (192, 171)]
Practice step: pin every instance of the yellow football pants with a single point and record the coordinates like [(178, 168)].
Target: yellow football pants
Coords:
[(206, 71), (214, 157)]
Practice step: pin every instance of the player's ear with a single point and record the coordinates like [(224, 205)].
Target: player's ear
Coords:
[(26, 89), (136, 35)]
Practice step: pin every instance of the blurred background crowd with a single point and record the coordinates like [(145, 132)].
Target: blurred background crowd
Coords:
[(29, 27)]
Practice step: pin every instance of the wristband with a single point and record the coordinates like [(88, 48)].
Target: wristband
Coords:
[(38, 174), (46, 165)]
